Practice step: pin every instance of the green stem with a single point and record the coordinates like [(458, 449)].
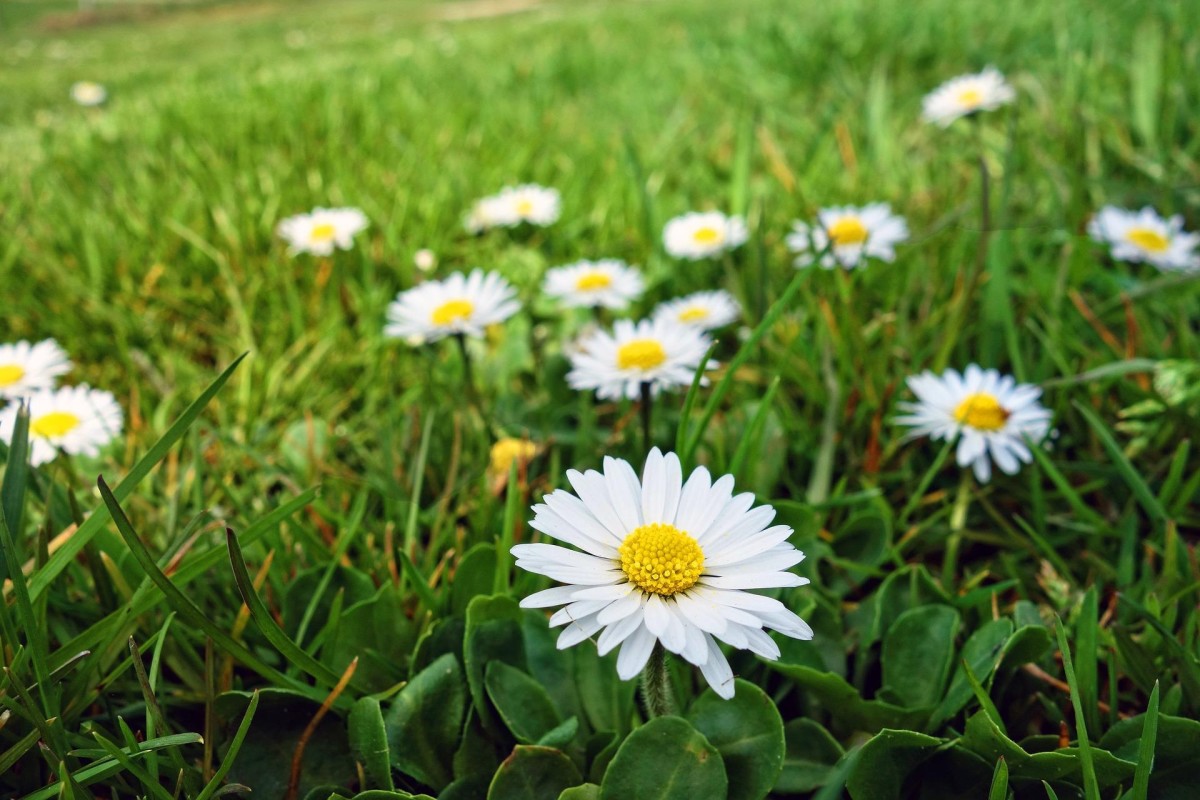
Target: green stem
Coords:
[(472, 391), (647, 409), (656, 684), (958, 523), (985, 203)]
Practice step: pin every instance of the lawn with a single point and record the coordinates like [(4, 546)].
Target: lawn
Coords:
[(300, 582)]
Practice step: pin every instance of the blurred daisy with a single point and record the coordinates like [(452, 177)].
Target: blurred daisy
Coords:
[(848, 235), (663, 561), (88, 93), (530, 203), (460, 304), (424, 260), (659, 352), (508, 451), (995, 418), (703, 234), (608, 283), (27, 368), (967, 95), (74, 419), (702, 310), (1138, 236), (322, 230), (490, 212)]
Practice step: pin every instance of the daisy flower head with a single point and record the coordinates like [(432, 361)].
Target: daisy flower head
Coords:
[(532, 204), (460, 304), (88, 93), (703, 234), (26, 368), (995, 418), (702, 310), (659, 352), (846, 236), (607, 283), (663, 560), (77, 420), (491, 212), (1144, 236), (967, 95), (322, 230)]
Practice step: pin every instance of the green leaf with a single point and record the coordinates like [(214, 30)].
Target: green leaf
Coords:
[(665, 759), (845, 704), (1145, 763), (810, 758), (586, 791), (475, 576), (1175, 741), (533, 773), (1091, 788), (521, 702), (885, 762), (982, 653), (1125, 467), (368, 741), (561, 735), (918, 652), (748, 732), (999, 788), (12, 490), (493, 634), (231, 754), (606, 699), (424, 722)]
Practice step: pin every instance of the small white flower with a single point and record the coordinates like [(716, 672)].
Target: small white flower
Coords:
[(77, 420), (848, 235), (424, 260), (608, 283), (995, 418), (322, 230), (529, 203), (702, 310), (490, 212), (26, 368), (663, 560), (703, 234), (662, 353), (966, 95), (461, 303), (88, 93), (1144, 236)]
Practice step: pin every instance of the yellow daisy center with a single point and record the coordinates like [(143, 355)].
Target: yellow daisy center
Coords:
[(508, 450), (1150, 240), (693, 314), (592, 281), (452, 311), (322, 232), (661, 559), (54, 424), (524, 207), (643, 354), (707, 235), (10, 374), (848, 230), (981, 411), (970, 97)]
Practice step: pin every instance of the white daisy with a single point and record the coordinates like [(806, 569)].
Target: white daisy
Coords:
[(26, 368), (848, 235), (491, 212), (77, 420), (702, 310), (608, 283), (460, 304), (966, 95), (655, 351), (1138, 236), (530, 203), (322, 230), (703, 234), (88, 93), (663, 561), (995, 418)]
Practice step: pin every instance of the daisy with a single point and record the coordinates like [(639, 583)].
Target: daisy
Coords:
[(967, 95), (322, 230), (659, 352), (608, 283), (26, 368), (1138, 236), (995, 418), (74, 419), (848, 235), (702, 310), (536, 205), (663, 561), (490, 212), (88, 93), (697, 235), (460, 304)]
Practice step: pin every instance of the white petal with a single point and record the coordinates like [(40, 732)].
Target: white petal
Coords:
[(634, 653), (618, 632), (555, 596), (717, 672)]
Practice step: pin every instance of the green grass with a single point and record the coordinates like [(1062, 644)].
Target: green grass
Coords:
[(140, 236)]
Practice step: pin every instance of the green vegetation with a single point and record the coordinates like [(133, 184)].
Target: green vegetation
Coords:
[(364, 602)]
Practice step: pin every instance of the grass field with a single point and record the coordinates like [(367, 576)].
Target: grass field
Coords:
[(1034, 636)]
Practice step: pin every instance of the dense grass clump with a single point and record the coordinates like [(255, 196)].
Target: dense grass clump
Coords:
[(294, 576)]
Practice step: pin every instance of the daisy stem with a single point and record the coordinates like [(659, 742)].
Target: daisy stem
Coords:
[(469, 380), (647, 407), (985, 202), (958, 522), (656, 684)]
